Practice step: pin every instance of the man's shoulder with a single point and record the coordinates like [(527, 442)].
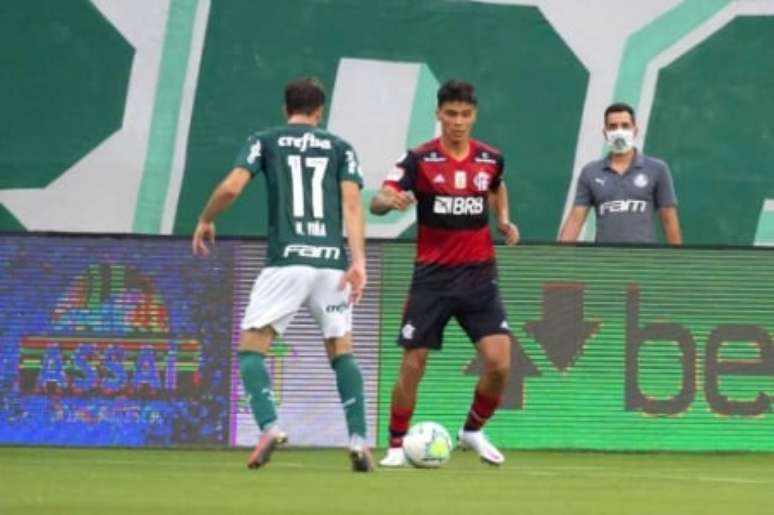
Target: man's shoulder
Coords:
[(427, 147), (594, 167), (653, 163), (427, 152), (481, 148), (267, 132)]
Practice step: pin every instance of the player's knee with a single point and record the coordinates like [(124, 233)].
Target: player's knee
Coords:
[(413, 367), (498, 372)]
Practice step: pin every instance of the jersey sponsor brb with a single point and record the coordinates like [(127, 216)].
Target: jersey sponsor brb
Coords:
[(454, 244), (304, 167)]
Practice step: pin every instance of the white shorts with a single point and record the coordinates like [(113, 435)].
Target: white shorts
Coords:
[(279, 292)]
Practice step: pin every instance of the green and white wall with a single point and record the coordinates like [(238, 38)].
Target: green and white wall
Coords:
[(122, 116)]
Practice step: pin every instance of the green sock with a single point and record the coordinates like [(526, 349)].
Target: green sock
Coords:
[(257, 384), (350, 384)]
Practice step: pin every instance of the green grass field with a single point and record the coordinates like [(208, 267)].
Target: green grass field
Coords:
[(82, 482)]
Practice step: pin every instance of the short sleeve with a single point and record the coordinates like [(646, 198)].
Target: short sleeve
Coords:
[(583, 194), (403, 176), (251, 155), (664, 194), (497, 180), (349, 167)]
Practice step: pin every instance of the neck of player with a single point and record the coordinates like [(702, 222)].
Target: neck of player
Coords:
[(304, 119), (621, 162), (457, 148)]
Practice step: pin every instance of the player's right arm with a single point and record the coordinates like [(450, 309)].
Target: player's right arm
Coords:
[(389, 198), (225, 193), (577, 217), (248, 163), (396, 192), (574, 223)]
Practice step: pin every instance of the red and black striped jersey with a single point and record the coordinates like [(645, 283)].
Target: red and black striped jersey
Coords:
[(453, 236)]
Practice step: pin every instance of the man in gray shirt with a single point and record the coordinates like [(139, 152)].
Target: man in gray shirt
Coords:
[(625, 188)]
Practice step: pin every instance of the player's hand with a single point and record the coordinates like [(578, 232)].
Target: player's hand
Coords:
[(509, 231), (356, 278), (401, 200), (204, 233)]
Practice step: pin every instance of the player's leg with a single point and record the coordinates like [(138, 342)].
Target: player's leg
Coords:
[(330, 307), (482, 316), (349, 382), (404, 399), (424, 318), (275, 298), (253, 347)]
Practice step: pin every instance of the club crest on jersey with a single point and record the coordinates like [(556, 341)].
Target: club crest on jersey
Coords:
[(641, 180), (481, 181), (439, 179), (460, 179)]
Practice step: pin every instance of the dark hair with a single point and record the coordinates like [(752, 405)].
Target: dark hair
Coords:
[(304, 96), (456, 91), (620, 107)]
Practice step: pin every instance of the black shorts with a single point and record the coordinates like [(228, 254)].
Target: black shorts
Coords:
[(480, 312)]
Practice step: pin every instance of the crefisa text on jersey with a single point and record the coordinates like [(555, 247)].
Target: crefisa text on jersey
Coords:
[(308, 140)]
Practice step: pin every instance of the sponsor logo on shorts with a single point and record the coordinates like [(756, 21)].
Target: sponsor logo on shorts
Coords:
[(623, 206), (408, 331), (458, 205), (341, 307), (311, 251)]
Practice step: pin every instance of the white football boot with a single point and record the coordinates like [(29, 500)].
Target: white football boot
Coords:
[(395, 457), (360, 455), (271, 438), (478, 441)]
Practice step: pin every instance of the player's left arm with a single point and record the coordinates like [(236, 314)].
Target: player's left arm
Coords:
[(222, 197), (671, 224), (666, 201), (498, 199), (350, 183), (498, 202)]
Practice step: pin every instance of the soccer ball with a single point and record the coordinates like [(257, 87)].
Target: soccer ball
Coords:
[(427, 445)]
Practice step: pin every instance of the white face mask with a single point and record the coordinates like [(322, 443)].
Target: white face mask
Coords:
[(620, 141)]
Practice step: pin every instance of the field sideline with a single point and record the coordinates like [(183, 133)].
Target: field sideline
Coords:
[(101, 481)]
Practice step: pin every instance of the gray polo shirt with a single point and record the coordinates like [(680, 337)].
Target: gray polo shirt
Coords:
[(625, 203)]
